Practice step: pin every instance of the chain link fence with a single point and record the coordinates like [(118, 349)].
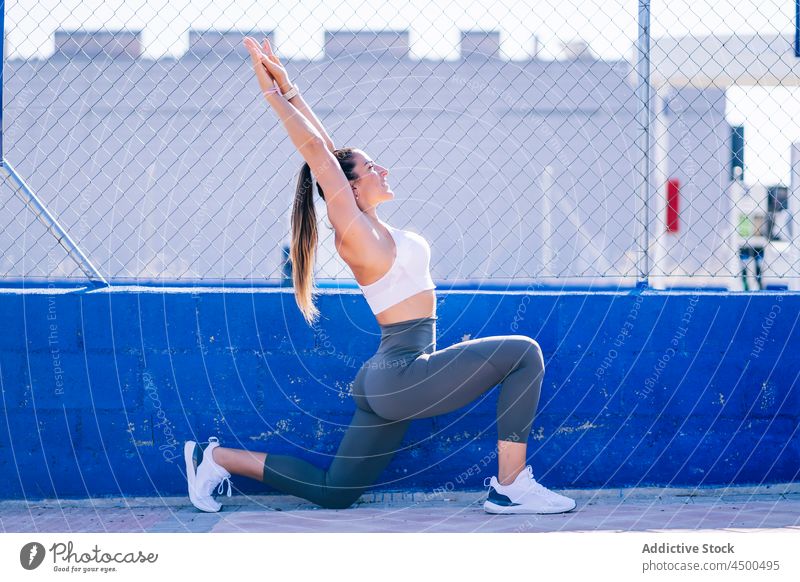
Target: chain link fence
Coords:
[(622, 141)]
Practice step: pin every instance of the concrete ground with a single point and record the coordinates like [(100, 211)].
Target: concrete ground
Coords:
[(644, 509)]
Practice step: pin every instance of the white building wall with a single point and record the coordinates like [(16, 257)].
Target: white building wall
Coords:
[(698, 154), (177, 168)]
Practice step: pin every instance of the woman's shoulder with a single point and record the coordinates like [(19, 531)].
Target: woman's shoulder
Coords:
[(367, 252)]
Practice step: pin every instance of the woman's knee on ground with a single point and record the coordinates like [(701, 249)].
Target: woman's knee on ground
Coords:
[(339, 498)]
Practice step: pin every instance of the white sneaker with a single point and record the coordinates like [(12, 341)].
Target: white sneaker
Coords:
[(203, 474), (524, 495)]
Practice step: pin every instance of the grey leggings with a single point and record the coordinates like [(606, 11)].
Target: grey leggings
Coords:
[(408, 379)]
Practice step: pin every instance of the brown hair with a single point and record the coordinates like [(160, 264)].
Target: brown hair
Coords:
[(304, 233)]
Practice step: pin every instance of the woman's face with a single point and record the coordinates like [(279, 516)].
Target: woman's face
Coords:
[(371, 186)]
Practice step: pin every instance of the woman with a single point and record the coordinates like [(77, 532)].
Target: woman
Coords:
[(407, 378)]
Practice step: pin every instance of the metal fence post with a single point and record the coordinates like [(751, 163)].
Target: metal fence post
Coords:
[(643, 98), (797, 28)]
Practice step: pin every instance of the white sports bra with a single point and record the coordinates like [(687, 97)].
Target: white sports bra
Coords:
[(408, 275)]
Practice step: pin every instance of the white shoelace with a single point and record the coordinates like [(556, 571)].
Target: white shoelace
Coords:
[(535, 485), (221, 487), (544, 491)]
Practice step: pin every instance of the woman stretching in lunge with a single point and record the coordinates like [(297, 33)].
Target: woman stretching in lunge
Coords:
[(407, 378)]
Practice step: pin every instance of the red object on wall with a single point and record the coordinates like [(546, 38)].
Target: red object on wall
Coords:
[(673, 204)]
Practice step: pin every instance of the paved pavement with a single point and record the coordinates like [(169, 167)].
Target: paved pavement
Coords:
[(646, 509)]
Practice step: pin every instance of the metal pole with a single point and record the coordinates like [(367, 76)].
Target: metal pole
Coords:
[(643, 95), (797, 28), (41, 212), (2, 66)]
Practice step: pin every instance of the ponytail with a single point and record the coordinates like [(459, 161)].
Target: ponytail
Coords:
[(304, 245), (305, 236)]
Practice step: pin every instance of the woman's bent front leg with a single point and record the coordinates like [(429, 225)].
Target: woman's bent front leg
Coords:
[(445, 380)]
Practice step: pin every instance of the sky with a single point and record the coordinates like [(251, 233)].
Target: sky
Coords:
[(771, 116)]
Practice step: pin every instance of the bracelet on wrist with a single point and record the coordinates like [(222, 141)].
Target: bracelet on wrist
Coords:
[(292, 92)]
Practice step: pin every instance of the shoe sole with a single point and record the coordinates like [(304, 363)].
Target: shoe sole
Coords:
[(490, 507), (191, 471)]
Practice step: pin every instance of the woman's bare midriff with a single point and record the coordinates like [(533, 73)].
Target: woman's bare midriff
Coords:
[(417, 306)]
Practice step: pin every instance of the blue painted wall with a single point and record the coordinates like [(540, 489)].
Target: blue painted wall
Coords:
[(100, 389)]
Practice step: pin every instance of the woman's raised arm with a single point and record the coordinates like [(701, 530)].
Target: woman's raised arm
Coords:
[(278, 72), (307, 139), (304, 134)]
